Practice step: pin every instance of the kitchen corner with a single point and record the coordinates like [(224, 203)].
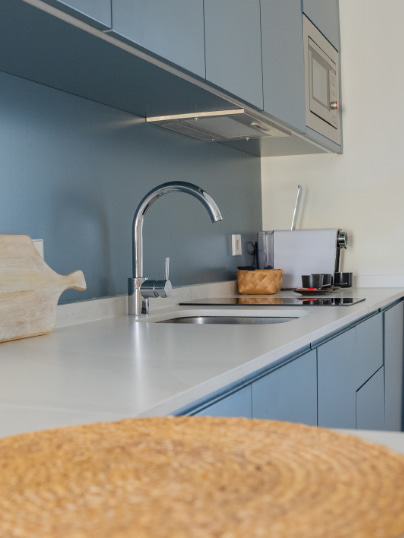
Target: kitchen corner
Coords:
[(117, 367), (107, 106)]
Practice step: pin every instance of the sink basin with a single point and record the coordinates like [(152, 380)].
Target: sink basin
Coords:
[(228, 316), (228, 320)]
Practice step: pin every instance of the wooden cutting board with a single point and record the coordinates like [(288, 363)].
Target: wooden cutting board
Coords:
[(29, 289)]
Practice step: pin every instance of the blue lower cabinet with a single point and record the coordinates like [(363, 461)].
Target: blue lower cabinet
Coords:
[(354, 380), (393, 366), (237, 404), (370, 403), (351, 377), (336, 382), (288, 393), (368, 348)]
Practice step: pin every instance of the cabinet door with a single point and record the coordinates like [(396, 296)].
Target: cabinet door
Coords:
[(283, 61), (369, 348), (370, 403), (237, 404), (289, 393), (393, 366), (173, 30), (98, 11), (233, 47), (336, 382), (325, 15), (345, 364)]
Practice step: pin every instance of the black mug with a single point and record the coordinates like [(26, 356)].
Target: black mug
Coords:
[(343, 280)]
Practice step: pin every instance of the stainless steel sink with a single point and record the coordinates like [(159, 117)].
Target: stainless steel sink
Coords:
[(228, 320), (228, 316)]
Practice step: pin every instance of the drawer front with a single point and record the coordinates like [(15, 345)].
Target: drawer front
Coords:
[(369, 348), (237, 404), (289, 393)]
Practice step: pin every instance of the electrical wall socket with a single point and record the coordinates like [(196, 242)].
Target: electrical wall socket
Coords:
[(38, 244), (236, 249)]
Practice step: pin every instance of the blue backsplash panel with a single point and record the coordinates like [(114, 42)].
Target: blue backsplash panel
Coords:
[(73, 172)]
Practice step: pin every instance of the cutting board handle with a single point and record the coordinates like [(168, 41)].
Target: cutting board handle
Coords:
[(75, 281)]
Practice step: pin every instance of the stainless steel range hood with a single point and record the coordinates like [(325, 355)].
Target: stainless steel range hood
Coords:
[(221, 125)]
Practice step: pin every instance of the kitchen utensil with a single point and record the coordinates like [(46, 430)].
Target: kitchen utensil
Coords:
[(342, 242), (297, 206), (312, 281), (308, 291), (343, 279), (29, 289), (327, 279)]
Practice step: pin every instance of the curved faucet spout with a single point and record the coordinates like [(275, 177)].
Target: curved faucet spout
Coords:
[(149, 199), (137, 303)]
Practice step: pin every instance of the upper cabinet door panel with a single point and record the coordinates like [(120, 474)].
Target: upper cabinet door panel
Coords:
[(283, 61), (325, 15), (174, 30), (98, 11), (233, 48)]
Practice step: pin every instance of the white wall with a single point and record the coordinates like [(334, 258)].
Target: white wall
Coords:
[(361, 191)]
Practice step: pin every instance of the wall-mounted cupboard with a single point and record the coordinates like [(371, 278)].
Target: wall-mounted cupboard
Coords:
[(97, 13), (174, 30), (254, 50), (157, 58), (251, 50), (233, 48), (325, 15), (283, 74)]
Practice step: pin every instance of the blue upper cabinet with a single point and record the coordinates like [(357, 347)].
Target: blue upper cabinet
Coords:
[(96, 12), (325, 15), (173, 30), (233, 48), (283, 62)]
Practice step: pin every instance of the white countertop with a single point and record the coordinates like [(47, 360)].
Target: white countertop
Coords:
[(118, 368)]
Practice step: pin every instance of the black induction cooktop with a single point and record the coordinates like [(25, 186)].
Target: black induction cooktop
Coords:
[(276, 301)]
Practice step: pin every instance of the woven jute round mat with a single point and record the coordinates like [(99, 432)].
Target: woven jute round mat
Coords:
[(198, 477)]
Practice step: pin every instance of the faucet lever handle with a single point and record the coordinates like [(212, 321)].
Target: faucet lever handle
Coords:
[(167, 269)]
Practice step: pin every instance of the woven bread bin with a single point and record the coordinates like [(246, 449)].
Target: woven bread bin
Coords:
[(189, 477), (260, 301), (260, 281)]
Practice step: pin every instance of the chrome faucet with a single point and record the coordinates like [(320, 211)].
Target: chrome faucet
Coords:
[(141, 288)]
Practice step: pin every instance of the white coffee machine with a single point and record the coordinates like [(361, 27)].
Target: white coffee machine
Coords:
[(301, 252)]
